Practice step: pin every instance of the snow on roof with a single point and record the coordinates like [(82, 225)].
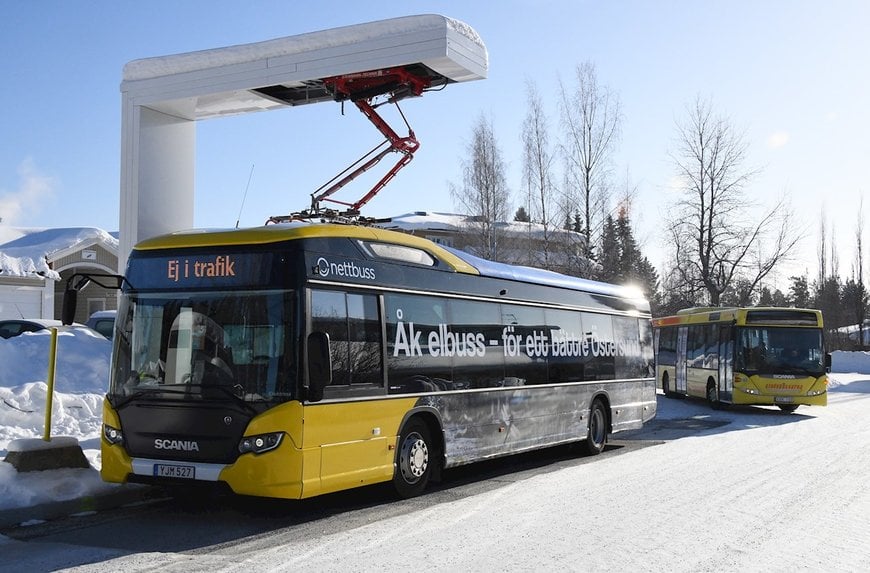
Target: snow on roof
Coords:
[(27, 253), (8, 233), (425, 221), (204, 59)]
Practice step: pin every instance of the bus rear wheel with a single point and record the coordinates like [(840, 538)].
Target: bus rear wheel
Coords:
[(413, 459), (788, 408), (596, 434)]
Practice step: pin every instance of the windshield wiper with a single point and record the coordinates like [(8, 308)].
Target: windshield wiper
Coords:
[(228, 391), (182, 389), (148, 391)]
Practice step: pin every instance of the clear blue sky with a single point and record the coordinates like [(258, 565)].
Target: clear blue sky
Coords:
[(793, 74)]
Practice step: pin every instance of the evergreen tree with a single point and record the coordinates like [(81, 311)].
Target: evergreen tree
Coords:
[(772, 298), (738, 293), (620, 258), (779, 298), (610, 257), (635, 268), (521, 215), (799, 292), (854, 302), (827, 298)]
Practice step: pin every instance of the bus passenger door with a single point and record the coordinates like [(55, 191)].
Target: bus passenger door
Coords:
[(726, 362), (680, 382)]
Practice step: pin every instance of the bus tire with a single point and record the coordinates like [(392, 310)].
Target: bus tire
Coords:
[(788, 408), (666, 386), (414, 459), (596, 433), (713, 396)]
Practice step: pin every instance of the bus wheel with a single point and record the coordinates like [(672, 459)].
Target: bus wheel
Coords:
[(713, 396), (666, 386), (788, 408), (413, 462), (596, 435)]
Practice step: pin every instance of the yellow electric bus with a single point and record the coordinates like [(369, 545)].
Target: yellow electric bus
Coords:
[(761, 356), (298, 359)]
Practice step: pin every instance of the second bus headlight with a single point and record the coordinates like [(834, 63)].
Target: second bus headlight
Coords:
[(260, 443)]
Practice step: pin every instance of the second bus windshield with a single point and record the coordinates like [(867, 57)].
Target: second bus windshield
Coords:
[(780, 350)]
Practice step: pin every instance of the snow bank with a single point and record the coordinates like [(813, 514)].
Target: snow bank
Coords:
[(843, 361), (81, 380), (83, 358)]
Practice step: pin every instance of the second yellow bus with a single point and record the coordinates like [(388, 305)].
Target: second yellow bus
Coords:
[(761, 356)]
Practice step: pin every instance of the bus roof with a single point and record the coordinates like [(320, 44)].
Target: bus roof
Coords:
[(540, 276), (457, 260), (767, 315), (297, 230)]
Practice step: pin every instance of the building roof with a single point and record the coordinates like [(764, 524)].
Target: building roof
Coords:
[(432, 221), (28, 252)]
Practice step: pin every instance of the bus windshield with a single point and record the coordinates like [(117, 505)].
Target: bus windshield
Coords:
[(779, 350), (220, 345)]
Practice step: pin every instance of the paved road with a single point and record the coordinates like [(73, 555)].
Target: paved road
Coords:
[(229, 523)]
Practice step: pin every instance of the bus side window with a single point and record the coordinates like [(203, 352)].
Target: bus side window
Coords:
[(598, 333), (476, 363), (696, 346), (415, 362), (329, 315), (352, 323), (520, 323), (667, 350), (364, 339), (711, 359), (631, 359)]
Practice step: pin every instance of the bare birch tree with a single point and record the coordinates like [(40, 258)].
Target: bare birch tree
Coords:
[(484, 195), (860, 301), (591, 122), (715, 240), (538, 174), (823, 247)]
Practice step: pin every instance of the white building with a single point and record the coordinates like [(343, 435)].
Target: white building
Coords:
[(522, 243)]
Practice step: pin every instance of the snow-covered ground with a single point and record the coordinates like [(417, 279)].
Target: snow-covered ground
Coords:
[(756, 490), (81, 379)]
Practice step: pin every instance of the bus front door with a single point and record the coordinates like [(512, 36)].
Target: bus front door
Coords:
[(680, 382), (726, 362)]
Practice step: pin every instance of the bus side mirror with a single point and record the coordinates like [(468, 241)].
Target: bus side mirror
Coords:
[(77, 282), (319, 365), (68, 312), (827, 361)]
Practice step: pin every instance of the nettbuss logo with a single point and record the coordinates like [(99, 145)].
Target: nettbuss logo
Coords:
[(347, 269)]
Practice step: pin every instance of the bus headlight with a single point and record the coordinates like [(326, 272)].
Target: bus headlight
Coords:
[(261, 443), (815, 392), (112, 435), (744, 379)]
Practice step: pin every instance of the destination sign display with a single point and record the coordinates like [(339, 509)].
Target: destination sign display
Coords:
[(206, 270)]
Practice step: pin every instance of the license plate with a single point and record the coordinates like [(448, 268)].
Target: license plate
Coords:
[(784, 400), (173, 471)]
